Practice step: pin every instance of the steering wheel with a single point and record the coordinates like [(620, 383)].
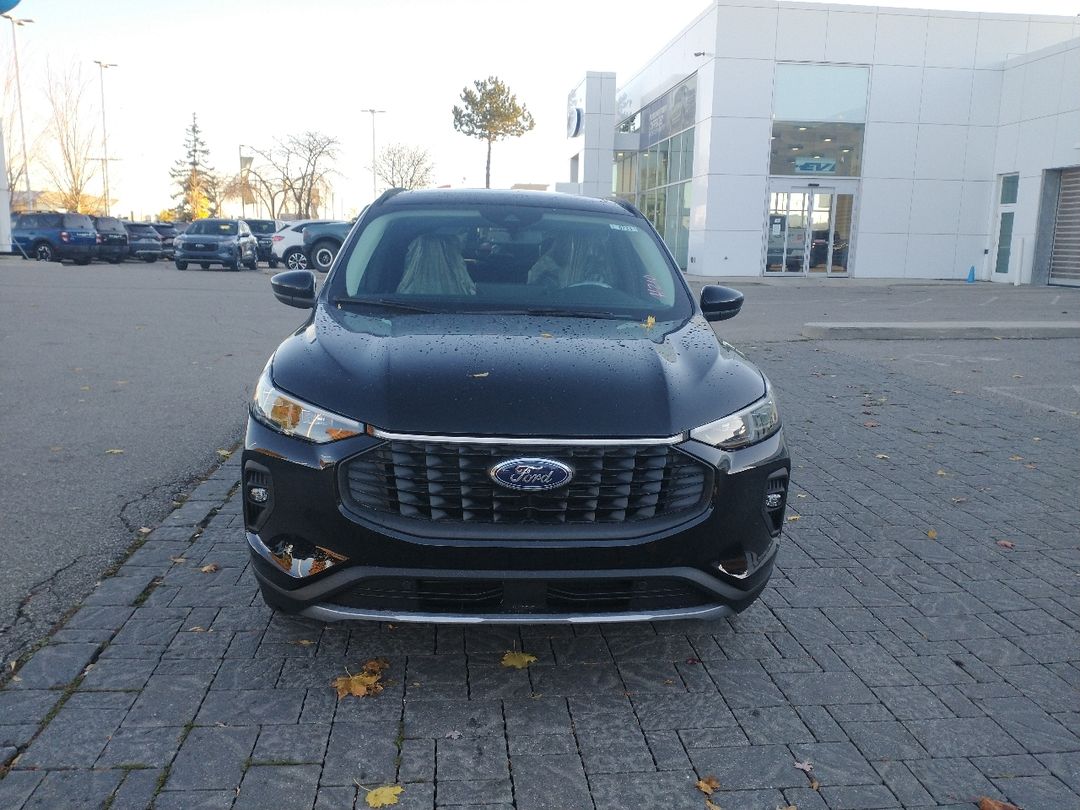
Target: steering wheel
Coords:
[(588, 284)]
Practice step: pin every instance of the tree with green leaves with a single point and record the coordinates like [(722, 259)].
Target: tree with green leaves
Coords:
[(491, 113), (194, 176)]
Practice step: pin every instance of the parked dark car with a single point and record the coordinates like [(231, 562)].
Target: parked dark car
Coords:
[(508, 407), (322, 242), (168, 233), (49, 236), (228, 242), (112, 239), (143, 241), (264, 230)]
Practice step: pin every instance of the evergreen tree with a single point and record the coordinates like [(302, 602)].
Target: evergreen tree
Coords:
[(193, 176), (491, 113)]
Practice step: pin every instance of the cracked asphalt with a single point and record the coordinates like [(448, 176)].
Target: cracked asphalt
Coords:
[(135, 357)]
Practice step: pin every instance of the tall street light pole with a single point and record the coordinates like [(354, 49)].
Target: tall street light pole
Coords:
[(373, 112), (104, 138), (243, 185), (17, 23)]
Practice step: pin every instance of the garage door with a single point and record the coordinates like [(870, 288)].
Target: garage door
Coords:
[(1065, 256)]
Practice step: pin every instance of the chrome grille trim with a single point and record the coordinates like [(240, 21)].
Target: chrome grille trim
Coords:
[(424, 437)]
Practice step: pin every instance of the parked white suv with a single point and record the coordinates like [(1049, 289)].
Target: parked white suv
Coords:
[(288, 244)]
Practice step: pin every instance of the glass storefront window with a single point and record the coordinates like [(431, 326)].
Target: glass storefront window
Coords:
[(816, 148), (662, 163), (688, 154), (820, 93)]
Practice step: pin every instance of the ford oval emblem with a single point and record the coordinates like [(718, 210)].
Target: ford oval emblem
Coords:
[(531, 474)]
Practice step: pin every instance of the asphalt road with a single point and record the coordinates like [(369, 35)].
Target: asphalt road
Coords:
[(139, 358)]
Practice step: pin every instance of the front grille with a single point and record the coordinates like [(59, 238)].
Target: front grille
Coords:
[(208, 246), (449, 482), (521, 596)]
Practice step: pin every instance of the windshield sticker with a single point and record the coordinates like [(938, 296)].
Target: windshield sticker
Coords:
[(653, 287), (618, 227)]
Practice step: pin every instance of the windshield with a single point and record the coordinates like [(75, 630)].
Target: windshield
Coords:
[(512, 258), (164, 229), (78, 221), (207, 227), (261, 225), (141, 230)]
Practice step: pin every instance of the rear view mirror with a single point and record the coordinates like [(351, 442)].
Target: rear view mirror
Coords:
[(295, 288), (720, 303)]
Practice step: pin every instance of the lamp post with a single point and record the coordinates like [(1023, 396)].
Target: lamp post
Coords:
[(104, 137), (17, 23), (373, 114), (243, 183)]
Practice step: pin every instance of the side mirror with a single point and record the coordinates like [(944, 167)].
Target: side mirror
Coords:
[(720, 303), (295, 288)]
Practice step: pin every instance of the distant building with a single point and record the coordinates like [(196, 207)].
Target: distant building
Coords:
[(791, 139)]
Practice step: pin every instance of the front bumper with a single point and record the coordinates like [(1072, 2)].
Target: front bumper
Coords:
[(204, 256), (312, 554)]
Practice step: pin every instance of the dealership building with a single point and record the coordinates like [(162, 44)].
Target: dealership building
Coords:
[(790, 139)]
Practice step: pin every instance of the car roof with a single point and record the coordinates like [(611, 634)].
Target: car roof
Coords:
[(484, 196)]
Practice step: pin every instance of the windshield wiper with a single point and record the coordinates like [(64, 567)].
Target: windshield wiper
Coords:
[(576, 313), (383, 302)]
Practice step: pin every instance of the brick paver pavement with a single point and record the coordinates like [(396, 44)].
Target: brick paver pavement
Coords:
[(910, 670)]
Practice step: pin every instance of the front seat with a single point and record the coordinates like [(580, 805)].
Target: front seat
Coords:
[(434, 266)]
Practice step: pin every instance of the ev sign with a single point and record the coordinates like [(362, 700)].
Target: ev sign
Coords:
[(815, 166)]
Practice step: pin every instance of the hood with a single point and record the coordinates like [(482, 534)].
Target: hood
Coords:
[(515, 375), (207, 237)]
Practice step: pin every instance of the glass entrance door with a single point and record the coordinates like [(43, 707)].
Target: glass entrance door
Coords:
[(809, 231)]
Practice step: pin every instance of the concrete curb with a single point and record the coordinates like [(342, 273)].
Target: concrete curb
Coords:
[(968, 330)]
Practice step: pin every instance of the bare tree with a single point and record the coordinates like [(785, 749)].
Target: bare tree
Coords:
[(312, 154), (294, 174), (402, 166), (70, 167)]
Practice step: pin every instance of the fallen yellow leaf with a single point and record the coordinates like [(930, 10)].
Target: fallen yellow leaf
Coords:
[(986, 803), (384, 796), (650, 322), (793, 518), (707, 785), (114, 452), (546, 335), (517, 660), (881, 456), (224, 453), (711, 805), (931, 534), (364, 683), (1016, 458), (941, 473), (1006, 544), (304, 642), (210, 568), (145, 530)]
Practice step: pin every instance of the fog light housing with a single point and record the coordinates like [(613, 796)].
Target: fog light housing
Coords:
[(258, 494), (772, 500)]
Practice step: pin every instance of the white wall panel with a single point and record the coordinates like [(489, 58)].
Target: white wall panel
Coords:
[(800, 34), (985, 97), (732, 253), (850, 37), (746, 32), (900, 38), (1000, 39), (946, 95), (884, 205), (743, 88), (979, 156), (741, 145), (880, 255), (1042, 87), (932, 256), (950, 41), (735, 202), (939, 154), (895, 93), (935, 206), (889, 150), (975, 202)]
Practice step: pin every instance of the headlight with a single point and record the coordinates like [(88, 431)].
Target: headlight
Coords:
[(748, 426), (293, 417)]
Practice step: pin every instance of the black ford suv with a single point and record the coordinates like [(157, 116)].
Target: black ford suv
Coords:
[(508, 407), (264, 230), (52, 237), (112, 238)]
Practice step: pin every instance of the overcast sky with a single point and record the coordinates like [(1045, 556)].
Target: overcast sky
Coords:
[(254, 70)]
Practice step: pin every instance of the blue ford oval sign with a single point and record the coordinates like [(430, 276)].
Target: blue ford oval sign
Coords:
[(531, 474)]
